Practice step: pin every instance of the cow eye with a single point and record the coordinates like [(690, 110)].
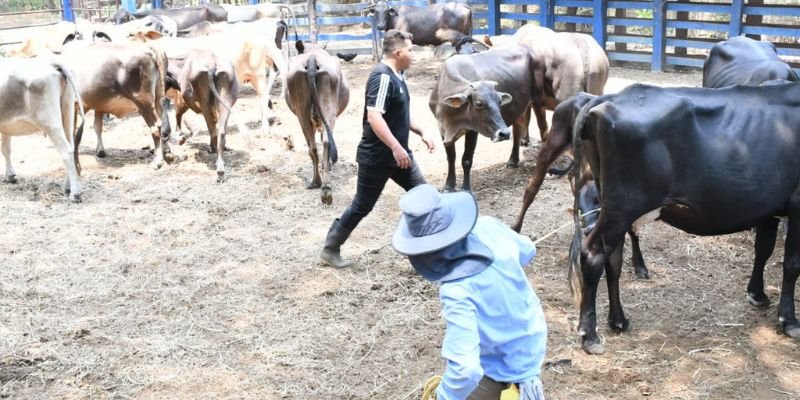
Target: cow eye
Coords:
[(479, 104)]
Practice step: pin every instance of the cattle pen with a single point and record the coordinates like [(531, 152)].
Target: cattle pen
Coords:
[(164, 284)]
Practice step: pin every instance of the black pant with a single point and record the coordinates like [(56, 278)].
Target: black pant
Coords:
[(371, 181)]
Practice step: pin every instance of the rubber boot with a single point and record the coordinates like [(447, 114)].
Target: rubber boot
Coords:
[(333, 242)]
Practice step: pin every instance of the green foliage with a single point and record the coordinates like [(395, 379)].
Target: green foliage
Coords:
[(646, 13), (23, 5)]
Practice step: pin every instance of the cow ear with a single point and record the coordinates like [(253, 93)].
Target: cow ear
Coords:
[(487, 41), (68, 39), (505, 98), (392, 12), (456, 100)]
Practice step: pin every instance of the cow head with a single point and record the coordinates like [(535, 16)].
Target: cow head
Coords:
[(144, 36), (382, 15), (122, 16), (477, 108)]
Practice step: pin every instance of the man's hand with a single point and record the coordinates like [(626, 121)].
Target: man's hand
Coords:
[(429, 141), (401, 157)]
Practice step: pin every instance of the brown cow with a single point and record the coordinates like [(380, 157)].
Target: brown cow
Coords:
[(574, 62), (316, 93), (253, 55), (122, 78), (209, 87)]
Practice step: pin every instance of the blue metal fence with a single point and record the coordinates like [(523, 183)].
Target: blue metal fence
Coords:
[(653, 23)]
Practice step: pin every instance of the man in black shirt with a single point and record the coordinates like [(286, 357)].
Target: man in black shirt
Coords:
[(383, 152)]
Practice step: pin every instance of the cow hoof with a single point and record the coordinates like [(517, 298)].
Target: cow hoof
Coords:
[(289, 143), (220, 176), (593, 347), (170, 158), (11, 179), (181, 140), (619, 326), (448, 189), (525, 142), (326, 196), (758, 300), (75, 198), (642, 273), (101, 154), (312, 184), (792, 331), (512, 164)]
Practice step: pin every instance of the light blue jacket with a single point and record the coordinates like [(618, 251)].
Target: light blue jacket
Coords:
[(495, 323)]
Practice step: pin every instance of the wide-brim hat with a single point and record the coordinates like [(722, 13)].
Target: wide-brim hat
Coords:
[(432, 221)]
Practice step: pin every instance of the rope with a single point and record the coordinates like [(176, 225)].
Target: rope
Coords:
[(429, 390), (553, 232)]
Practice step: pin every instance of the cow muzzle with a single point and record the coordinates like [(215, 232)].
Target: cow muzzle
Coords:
[(502, 134)]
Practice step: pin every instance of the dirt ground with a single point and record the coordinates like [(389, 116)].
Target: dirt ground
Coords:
[(163, 284)]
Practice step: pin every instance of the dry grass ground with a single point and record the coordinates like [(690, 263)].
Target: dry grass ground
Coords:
[(164, 284)]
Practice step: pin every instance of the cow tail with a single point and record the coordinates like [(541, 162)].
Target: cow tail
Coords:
[(575, 276), (294, 22), (212, 75), (78, 134), (469, 20), (311, 74)]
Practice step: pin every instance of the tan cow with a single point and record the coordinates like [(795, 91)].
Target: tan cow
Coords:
[(208, 86), (316, 93), (119, 79), (51, 38), (252, 52), (40, 95)]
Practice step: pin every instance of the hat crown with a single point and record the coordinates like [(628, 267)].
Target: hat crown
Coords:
[(426, 214)]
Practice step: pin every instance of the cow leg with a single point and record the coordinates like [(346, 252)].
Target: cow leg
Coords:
[(766, 234), (98, 130), (791, 270), (11, 176), (520, 131), (327, 196), (470, 141), (308, 131), (616, 316), (541, 121), (552, 148), (450, 181), (266, 111), (602, 241), (56, 134), (637, 260), (180, 109)]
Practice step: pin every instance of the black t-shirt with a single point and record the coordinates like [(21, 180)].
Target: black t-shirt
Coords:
[(386, 93)]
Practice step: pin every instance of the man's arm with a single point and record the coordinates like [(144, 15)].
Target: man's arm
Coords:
[(427, 139), (378, 125)]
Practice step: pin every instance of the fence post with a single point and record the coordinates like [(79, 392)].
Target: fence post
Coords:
[(312, 21), (156, 4), (599, 21), (547, 16), (659, 35), (68, 15), (493, 18), (737, 8), (253, 1)]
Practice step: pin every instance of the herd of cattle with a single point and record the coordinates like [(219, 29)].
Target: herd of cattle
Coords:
[(709, 161)]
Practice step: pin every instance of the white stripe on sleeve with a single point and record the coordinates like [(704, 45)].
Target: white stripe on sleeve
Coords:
[(380, 100)]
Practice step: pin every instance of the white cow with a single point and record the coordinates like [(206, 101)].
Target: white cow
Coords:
[(40, 95)]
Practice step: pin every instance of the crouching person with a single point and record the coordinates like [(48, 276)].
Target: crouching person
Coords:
[(496, 333)]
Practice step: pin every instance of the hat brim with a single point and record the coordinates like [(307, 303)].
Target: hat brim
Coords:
[(465, 214)]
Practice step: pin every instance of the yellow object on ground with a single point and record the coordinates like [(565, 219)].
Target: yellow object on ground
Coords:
[(512, 393), (429, 390)]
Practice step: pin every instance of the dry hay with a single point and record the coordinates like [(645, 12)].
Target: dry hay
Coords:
[(164, 284)]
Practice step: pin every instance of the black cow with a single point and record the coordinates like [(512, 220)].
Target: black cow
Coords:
[(484, 93), (706, 161), (184, 17), (558, 142), (744, 61), (421, 22)]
